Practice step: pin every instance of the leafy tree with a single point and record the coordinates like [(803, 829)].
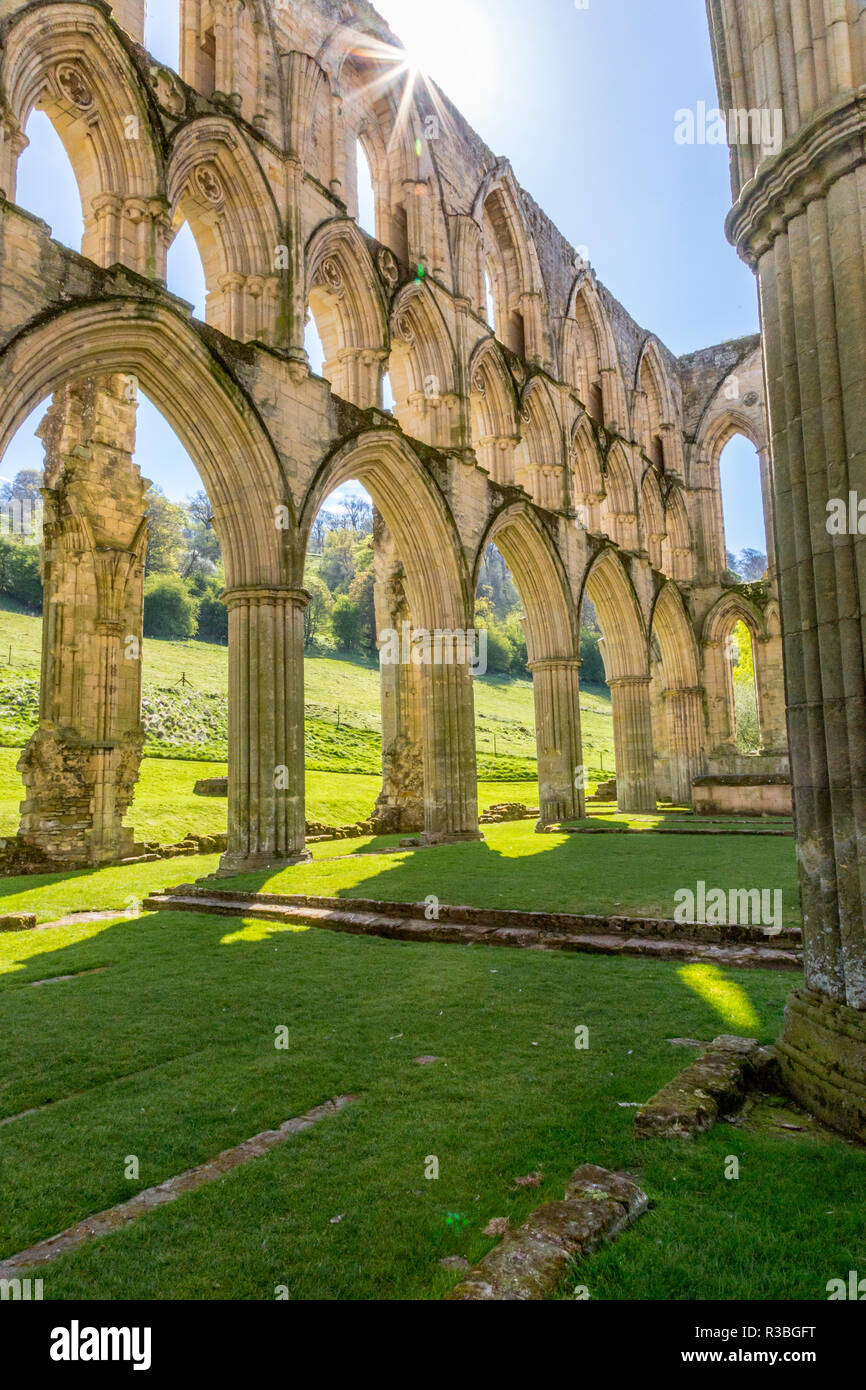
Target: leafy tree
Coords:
[(199, 508), (592, 662), (170, 610), (361, 592), (27, 485), (347, 624), (213, 616), (359, 513), (166, 524), (752, 565), (338, 561), (733, 575), (20, 577), (324, 522), (318, 610)]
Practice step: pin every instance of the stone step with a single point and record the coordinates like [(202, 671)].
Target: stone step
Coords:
[(413, 928)]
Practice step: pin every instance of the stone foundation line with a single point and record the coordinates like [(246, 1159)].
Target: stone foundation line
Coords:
[(115, 1218), (645, 937)]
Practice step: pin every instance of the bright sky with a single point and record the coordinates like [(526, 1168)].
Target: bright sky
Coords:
[(582, 99)]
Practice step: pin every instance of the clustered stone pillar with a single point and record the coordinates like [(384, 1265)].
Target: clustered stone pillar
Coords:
[(799, 221), (266, 825), (770, 685), (81, 765), (685, 718), (562, 794), (400, 805), (633, 743), (448, 717)]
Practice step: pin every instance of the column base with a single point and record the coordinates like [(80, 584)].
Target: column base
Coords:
[(822, 1057), (456, 837), (234, 862)]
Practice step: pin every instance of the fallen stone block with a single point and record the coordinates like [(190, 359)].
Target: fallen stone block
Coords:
[(532, 1262), (17, 921), (713, 1086)]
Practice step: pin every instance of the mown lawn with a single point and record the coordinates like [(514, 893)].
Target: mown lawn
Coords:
[(166, 809), (167, 1054), (513, 867)]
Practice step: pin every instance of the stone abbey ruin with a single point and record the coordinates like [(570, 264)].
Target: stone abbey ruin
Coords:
[(530, 411)]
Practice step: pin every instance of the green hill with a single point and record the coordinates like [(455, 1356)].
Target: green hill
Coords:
[(185, 711)]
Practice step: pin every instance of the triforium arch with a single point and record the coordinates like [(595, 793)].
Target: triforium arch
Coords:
[(626, 659), (589, 356), (553, 647), (217, 185), (494, 410), (679, 704), (73, 64), (764, 626), (345, 296), (439, 595), (511, 262)]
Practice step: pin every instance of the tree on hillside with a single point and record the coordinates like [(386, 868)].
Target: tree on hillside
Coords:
[(359, 514), (199, 509), (170, 610), (28, 485), (752, 565), (324, 522), (361, 592), (338, 561), (346, 621), (166, 524), (318, 609)]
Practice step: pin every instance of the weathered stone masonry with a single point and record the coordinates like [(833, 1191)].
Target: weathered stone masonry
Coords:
[(563, 432), (799, 221)]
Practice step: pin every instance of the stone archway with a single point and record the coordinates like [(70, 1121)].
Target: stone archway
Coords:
[(626, 658), (440, 602), (553, 646)]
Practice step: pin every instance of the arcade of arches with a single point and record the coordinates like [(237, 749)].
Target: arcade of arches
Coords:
[(528, 409)]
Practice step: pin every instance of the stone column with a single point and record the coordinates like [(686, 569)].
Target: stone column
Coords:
[(400, 806), (633, 743), (798, 221), (81, 765), (561, 786), (448, 715), (685, 717), (770, 685), (13, 142), (226, 17), (266, 729)]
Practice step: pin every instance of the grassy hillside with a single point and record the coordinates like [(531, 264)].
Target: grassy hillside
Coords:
[(186, 713), (180, 677)]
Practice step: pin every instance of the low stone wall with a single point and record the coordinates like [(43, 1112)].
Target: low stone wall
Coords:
[(743, 796)]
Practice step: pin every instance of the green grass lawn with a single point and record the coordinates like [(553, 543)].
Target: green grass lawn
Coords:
[(168, 1054), (166, 809), (512, 867)]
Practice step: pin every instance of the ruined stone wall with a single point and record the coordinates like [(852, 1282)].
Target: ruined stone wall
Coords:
[(562, 431)]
